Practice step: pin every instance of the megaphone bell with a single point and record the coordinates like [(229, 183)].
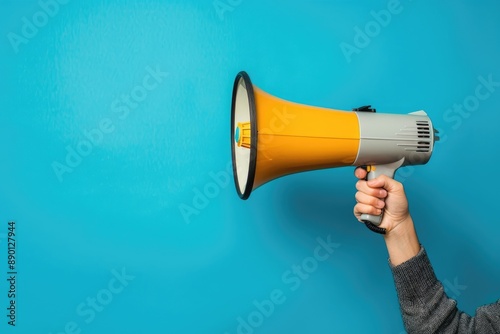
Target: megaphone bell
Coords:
[(271, 137)]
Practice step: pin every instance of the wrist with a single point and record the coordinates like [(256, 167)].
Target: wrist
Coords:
[(402, 242), (401, 229)]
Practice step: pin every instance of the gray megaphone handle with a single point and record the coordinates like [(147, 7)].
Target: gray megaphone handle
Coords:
[(373, 221)]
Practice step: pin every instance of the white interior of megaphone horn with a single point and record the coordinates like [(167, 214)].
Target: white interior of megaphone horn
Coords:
[(244, 159)]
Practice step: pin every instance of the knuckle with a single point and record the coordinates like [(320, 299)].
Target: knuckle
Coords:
[(374, 192)]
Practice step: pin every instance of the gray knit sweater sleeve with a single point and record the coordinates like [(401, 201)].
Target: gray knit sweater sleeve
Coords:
[(426, 308)]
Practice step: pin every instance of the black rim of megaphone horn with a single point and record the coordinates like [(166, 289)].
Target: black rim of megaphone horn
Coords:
[(253, 140)]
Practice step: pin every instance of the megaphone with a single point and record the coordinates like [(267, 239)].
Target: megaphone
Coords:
[(271, 137)]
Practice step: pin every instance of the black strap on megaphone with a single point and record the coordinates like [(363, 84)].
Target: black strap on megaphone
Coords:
[(374, 228)]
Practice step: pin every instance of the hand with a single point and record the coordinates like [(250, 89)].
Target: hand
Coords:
[(381, 193)]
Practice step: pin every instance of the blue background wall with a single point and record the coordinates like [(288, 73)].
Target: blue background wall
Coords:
[(121, 241)]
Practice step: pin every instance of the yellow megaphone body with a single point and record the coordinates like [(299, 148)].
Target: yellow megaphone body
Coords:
[(271, 137)]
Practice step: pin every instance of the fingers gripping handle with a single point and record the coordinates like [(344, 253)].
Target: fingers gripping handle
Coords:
[(373, 172), (373, 221)]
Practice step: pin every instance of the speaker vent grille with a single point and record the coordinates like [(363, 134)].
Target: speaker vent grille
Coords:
[(421, 137), (424, 129), (424, 132)]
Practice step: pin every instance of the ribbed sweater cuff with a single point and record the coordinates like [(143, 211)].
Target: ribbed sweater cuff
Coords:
[(414, 277)]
